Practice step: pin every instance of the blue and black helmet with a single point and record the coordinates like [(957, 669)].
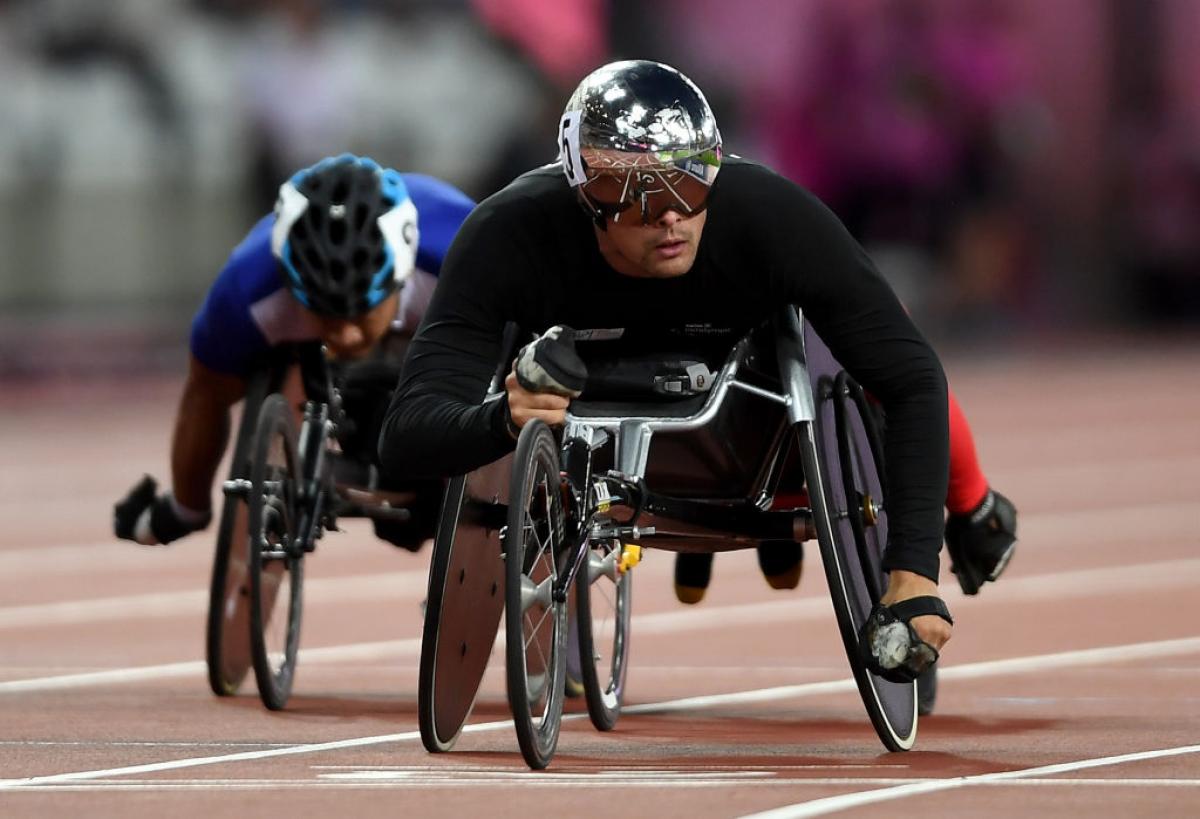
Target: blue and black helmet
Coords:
[(345, 235)]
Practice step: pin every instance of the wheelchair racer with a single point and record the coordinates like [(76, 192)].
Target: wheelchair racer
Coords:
[(349, 257), (608, 240)]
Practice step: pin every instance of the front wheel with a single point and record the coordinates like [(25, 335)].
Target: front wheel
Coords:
[(276, 554), (535, 623), (603, 601)]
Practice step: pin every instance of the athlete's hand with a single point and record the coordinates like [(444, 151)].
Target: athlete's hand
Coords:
[(146, 517), (524, 406), (904, 585), (546, 375), (550, 364)]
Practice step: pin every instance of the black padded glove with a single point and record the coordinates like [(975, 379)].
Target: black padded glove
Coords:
[(981, 542), (888, 644), (550, 364), (146, 517)]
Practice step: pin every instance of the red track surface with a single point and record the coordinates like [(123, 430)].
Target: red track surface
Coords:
[(1100, 452)]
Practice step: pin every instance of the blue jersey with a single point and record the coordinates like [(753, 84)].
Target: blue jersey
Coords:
[(248, 309)]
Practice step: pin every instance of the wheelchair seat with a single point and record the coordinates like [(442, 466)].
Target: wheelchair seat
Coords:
[(722, 443)]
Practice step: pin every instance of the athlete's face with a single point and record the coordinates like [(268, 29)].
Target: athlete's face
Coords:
[(354, 338), (662, 249)]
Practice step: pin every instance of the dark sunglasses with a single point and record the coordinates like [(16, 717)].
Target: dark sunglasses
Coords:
[(654, 190)]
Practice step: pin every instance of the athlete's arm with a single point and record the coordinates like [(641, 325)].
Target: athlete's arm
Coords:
[(438, 424), (867, 329), (201, 432), (821, 267)]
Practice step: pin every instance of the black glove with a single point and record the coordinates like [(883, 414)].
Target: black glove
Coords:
[(146, 517), (888, 644), (981, 542), (550, 364)]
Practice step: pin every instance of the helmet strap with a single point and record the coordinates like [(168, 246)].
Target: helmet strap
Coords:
[(597, 217)]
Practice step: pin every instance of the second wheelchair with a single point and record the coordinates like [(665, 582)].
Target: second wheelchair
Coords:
[(294, 474)]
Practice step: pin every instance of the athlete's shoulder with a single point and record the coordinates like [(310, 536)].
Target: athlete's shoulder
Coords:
[(543, 188), (225, 335), (429, 192), (744, 174), (256, 241), (752, 189), (536, 203), (441, 211), (251, 271)]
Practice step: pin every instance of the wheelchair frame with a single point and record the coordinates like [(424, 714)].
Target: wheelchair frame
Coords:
[(841, 458)]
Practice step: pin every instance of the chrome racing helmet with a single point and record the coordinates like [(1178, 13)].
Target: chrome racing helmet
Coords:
[(345, 235), (639, 133)]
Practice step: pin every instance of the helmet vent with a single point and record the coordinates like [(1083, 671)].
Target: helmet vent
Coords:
[(334, 256)]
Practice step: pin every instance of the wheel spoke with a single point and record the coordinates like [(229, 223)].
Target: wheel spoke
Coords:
[(535, 628)]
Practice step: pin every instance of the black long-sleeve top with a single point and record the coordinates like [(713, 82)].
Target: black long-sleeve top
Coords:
[(529, 255)]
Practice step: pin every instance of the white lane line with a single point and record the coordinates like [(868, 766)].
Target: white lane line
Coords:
[(533, 779), (1015, 665), (1068, 659), (396, 585), (112, 676), (670, 767), (1159, 576), (1105, 581), (833, 804), (1018, 665), (669, 622), (197, 668), (377, 586)]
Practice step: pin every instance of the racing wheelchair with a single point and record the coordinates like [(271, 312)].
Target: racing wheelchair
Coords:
[(293, 475), (571, 510)]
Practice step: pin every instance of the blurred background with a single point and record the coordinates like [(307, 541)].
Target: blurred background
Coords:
[(1020, 169)]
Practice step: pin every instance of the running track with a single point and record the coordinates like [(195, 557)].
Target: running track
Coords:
[(1070, 687)]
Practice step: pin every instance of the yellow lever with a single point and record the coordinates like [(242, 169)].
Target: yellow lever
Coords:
[(631, 555)]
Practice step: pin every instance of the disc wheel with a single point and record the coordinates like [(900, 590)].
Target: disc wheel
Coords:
[(843, 465), (227, 633), (464, 602), (535, 623), (603, 601), (276, 553)]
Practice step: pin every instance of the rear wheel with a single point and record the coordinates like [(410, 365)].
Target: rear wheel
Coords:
[(535, 623), (276, 553), (927, 687), (227, 636), (464, 603), (844, 469)]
